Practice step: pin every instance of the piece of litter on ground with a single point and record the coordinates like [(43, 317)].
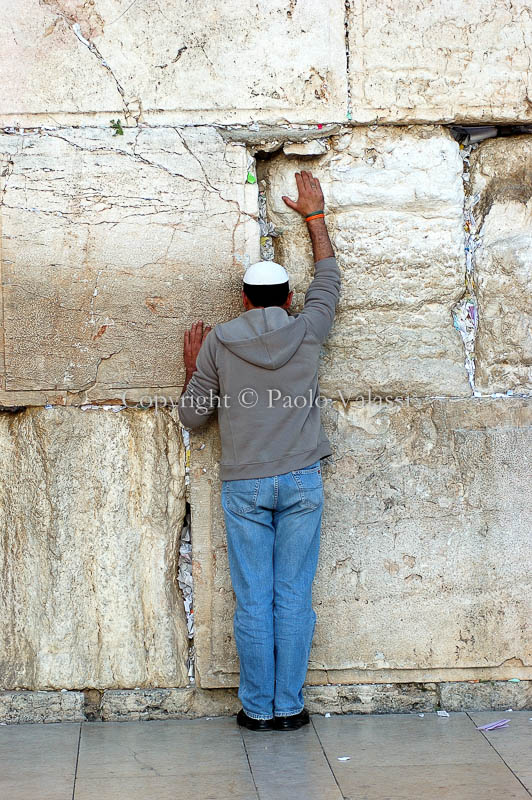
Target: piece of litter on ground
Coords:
[(251, 178), (344, 758), (514, 680), (327, 714), (491, 726), (421, 715), (509, 709), (442, 713)]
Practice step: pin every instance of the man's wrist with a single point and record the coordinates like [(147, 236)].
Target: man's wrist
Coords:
[(188, 376), (316, 214), (316, 222)]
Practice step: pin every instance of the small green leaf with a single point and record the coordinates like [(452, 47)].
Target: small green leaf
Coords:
[(116, 125)]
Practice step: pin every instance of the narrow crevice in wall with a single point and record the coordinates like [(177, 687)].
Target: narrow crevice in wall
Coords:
[(184, 575), (185, 579), (465, 312), (474, 134), (267, 229), (349, 112)]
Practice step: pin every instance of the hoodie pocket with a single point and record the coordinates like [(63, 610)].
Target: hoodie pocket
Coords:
[(240, 496)]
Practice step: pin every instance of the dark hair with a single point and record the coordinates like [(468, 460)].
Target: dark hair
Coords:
[(273, 294)]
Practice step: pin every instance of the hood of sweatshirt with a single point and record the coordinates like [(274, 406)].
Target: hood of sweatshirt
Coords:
[(266, 337)]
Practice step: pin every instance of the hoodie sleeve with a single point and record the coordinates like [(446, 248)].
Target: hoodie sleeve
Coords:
[(321, 297), (201, 397)]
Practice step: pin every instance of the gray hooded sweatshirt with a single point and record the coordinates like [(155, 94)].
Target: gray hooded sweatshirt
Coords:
[(260, 371)]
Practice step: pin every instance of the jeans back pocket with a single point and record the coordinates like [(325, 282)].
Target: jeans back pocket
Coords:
[(310, 485), (240, 496)]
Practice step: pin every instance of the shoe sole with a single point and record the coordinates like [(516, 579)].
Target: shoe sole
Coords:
[(257, 730), (251, 727), (291, 727)]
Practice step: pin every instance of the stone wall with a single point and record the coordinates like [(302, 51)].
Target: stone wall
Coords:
[(144, 149)]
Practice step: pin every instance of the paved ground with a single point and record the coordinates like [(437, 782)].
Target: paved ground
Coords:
[(391, 757)]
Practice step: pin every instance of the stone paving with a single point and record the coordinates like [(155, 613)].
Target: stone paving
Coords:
[(349, 757)]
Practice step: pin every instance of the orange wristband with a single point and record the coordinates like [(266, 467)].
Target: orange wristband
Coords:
[(314, 216)]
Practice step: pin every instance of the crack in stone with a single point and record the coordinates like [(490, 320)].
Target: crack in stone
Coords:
[(122, 14), (94, 50), (94, 294), (206, 177), (206, 183), (87, 387), (91, 47)]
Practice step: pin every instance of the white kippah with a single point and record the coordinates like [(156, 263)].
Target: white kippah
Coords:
[(265, 273)]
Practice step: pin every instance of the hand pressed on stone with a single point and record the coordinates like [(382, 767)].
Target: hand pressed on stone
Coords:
[(194, 338), (310, 197)]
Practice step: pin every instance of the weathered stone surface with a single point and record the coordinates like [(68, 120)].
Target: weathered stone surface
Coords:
[(91, 510), (120, 705), (172, 62), (440, 61), (416, 581), (486, 696), (22, 706), (112, 247), (167, 62), (380, 698), (310, 149), (394, 209), (501, 179)]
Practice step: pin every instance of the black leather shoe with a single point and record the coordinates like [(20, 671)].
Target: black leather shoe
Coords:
[(291, 723), (253, 724)]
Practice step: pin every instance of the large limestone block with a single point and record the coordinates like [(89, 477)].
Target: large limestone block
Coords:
[(501, 184), (437, 60), (424, 563), (112, 247), (427, 520), (394, 200), (171, 62), (91, 510)]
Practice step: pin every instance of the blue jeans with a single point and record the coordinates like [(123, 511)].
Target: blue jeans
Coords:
[(273, 538)]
